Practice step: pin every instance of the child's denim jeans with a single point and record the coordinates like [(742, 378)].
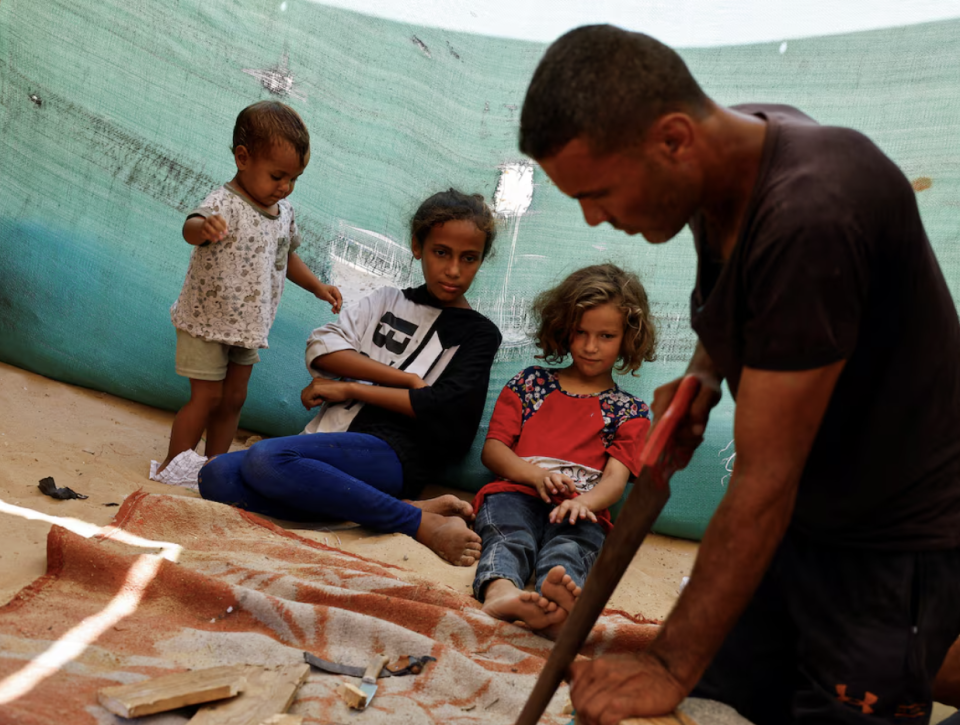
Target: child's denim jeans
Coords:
[(314, 477), (519, 540)]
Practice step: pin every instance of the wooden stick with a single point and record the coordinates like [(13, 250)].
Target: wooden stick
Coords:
[(641, 509)]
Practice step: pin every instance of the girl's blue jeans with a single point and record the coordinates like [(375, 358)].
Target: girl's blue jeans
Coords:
[(345, 476), (519, 541)]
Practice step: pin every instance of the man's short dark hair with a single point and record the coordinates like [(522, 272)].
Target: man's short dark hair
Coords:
[(607, 85)]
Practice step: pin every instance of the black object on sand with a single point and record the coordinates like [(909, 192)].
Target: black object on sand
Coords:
[(48, 487)]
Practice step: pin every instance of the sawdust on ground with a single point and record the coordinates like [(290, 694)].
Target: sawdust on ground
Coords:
[(101, 446)]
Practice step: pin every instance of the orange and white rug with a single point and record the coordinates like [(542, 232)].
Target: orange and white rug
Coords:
[(179, 583)]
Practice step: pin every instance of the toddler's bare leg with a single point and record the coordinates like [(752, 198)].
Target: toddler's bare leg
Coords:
[(190, 421), (222, 426)]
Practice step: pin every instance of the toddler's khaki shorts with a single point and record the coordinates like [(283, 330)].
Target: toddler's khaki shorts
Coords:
[(204, 360)]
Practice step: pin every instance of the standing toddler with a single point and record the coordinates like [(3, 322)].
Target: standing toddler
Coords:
[(244, 236)]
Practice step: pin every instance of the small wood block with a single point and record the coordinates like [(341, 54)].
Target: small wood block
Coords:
[(168, 692), (285, 719), (270, 691), (353, 696)]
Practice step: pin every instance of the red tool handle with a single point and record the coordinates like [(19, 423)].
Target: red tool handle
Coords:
[(658, 452)]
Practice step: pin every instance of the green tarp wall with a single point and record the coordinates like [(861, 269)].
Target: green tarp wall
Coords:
[(115, 119)]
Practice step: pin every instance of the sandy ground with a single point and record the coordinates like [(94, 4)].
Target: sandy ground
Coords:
[(101, 446)]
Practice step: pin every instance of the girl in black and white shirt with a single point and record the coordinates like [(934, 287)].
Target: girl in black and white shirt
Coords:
[(402, 378)]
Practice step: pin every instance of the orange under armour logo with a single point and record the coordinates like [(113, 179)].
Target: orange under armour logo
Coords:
[(912, 711), (868, 699)]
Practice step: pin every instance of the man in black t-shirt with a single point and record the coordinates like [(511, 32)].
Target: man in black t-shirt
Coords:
[(827, 586)]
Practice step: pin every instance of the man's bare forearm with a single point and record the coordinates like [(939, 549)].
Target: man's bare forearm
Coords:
[(351, 364), (737, 548), (778, 415)]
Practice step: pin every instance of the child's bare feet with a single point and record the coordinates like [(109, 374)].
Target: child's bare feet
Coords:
[(560, 588), (504, 601), (449, 538), (446, 505)]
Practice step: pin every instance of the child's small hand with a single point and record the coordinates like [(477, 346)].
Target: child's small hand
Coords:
[(555, 484), (329, 293), (573, 509), (321, 390), (214, 228)]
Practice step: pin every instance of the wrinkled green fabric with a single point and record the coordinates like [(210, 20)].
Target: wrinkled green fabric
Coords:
[(115, 119)]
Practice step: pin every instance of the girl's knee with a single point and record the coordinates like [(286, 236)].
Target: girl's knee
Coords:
[(215, 479), (262, 462)]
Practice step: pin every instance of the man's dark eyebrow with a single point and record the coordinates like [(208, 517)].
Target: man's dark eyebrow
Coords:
[(588, 194)]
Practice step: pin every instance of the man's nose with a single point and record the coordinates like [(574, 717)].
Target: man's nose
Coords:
[(592, 212)]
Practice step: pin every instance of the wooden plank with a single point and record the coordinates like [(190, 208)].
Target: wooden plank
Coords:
[(269, 691), (172, 691), (285, 719)]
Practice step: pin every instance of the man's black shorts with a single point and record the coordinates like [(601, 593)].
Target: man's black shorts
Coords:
[(840, 635)]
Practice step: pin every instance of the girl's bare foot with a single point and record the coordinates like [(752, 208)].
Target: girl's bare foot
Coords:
[(449, 538), (560, 588), (504, 601), (446, 505)]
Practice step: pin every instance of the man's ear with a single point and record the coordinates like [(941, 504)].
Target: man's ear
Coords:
[(673, 133), (416, 248)]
